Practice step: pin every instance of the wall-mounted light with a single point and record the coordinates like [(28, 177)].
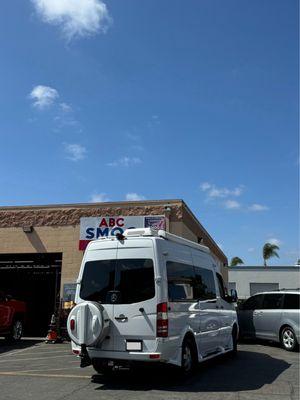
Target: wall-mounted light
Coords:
[(27, 228)]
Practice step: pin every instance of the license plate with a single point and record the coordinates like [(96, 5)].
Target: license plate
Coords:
[(133, 345)]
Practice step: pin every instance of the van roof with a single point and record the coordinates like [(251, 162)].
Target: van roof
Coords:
[(279, 291), (139, 233)]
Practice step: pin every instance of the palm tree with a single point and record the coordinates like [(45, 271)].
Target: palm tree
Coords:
[(236, 261), (269, 250)]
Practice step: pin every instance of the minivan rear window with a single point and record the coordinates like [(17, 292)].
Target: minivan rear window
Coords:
[(291, 301), (131, 279)]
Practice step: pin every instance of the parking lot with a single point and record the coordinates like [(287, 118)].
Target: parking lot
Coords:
[(35, 370)]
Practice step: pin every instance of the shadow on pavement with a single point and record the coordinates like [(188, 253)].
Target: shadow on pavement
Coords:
[(248, 371), (6, 346)]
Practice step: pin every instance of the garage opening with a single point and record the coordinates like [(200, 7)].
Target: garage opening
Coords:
[(34, 279)]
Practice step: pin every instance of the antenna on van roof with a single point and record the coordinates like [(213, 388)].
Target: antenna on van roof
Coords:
[(120, 236)]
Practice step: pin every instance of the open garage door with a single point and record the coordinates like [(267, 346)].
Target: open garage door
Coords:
[(35, 279)]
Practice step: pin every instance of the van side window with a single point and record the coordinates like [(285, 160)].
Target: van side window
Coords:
[(253, 303), (205, 287), (291, 301), (221, 286), (181, 279), (272, 301)]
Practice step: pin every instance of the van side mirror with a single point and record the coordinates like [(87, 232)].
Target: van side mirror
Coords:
[(233, 295)]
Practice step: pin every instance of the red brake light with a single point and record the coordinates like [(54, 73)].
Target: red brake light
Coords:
[(72, 324), (162, 323)]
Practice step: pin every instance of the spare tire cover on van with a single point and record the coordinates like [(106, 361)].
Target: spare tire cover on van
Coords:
[(88, 323)]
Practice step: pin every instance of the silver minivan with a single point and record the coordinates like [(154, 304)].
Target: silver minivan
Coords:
[(272, 316), (150, 297)]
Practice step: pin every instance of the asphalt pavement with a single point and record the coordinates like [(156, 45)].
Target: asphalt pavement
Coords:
[(38, 371)]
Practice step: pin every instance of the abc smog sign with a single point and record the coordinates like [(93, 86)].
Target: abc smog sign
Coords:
[(94, 227)]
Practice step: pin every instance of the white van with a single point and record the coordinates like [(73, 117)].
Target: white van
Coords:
[(150, 296)]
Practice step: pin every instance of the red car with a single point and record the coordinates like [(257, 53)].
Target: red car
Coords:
[(12, 317)]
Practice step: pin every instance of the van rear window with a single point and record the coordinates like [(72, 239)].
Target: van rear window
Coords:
[(131, 280)]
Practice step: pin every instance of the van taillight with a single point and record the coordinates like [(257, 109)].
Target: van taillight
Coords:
[(162, 320), (72, 324)]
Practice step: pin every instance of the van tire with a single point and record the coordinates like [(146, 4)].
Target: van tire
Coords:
[(102, 367), (288, 339), (234, 336), (188, 356)]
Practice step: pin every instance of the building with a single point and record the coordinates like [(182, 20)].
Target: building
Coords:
[(250, 280), (41, 247)]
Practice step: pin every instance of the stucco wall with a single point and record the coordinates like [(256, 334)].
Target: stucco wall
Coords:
[(46, 240), (287, 277), (56, 228)]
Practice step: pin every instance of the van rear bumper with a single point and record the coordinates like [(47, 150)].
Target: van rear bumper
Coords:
[(126, 355)]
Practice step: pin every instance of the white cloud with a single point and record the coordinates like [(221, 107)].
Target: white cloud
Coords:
[(134, 197), (137, 147), (257, 207), (76, 18), (251, 249), (205, 186), (213, 191), (43, 96), (75, 152), (232, 204), (66, 108), (125, 162), (275, 241), (99, 198)]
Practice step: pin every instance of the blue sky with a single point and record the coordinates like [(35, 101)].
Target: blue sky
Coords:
[(156, 99)]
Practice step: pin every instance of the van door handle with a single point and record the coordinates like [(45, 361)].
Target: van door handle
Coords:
[(258, 313), (121, 318)]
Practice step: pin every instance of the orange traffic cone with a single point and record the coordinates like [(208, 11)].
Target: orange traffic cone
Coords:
[(52, 336)]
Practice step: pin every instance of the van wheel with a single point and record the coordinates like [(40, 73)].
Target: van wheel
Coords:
[(288, 339), (188, 357), (234, 339), (16, 331), (102, 367)]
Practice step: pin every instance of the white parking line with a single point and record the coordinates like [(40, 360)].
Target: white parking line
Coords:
[(36, 358), (33, 353), (45, 375), (12, 353), (45, 370), (33, 347)]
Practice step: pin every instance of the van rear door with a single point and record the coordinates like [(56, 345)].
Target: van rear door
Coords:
[(98, 280), (135, 310)]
